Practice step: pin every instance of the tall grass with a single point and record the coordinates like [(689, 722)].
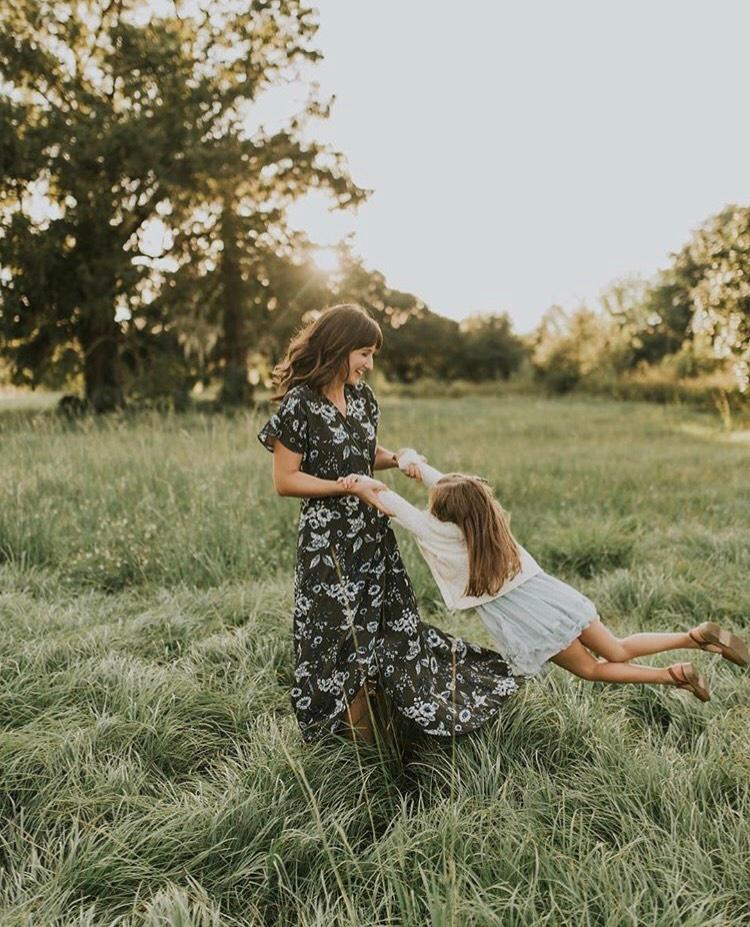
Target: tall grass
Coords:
[(151, 771)]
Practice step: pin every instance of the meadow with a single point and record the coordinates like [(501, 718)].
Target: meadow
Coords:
[(151, 770)]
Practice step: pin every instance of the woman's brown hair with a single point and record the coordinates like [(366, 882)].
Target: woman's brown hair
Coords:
[(468, 502), (320, 351)]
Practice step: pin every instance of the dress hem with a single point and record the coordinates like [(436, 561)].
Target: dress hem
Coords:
[(444, 735)]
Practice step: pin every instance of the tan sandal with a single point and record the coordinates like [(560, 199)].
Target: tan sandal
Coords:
[(733, 648), (691, 680)]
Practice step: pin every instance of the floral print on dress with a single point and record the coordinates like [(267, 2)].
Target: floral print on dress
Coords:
[(355, 613)]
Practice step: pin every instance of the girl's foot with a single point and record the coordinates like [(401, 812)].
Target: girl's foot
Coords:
[(686, 676), (709, 636)]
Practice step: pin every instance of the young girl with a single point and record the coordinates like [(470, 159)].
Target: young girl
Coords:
[(476, 562)]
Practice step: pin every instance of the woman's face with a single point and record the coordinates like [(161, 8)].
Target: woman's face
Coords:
[(360, 361)]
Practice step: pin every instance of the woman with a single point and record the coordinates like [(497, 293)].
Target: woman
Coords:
[(357, 631)]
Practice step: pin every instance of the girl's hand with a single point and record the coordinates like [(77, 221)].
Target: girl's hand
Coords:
[(366, 489), (411, 469), (370, 493)]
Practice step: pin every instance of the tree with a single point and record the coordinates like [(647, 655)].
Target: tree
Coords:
[(491, 350), (652, 318), (716, 263), (567, 348), (113, 116), (234, 249), (278, 288), (417, 342), (704, 295)]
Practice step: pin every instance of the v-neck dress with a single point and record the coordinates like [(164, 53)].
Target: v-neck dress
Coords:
[(355, 613)]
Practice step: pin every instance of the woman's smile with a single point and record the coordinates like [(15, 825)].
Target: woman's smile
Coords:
[(360, 361)]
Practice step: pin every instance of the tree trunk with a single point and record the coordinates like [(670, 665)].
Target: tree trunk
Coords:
[(101, 365), (236, 389)]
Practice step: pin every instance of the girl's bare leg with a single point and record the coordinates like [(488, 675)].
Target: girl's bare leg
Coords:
[(602, 641), (577, 660)]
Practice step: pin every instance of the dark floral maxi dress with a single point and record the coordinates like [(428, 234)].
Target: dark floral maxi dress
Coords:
[(355, 613)]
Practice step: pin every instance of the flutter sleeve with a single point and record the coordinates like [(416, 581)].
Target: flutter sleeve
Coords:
[(288, 424)]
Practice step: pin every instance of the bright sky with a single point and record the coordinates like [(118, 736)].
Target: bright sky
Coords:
[(527, 153)]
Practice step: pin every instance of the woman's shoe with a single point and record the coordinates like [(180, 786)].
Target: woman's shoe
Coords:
[(690, 679), (733, 648)]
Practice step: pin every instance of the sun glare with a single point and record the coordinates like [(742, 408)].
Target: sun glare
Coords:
[(327, 259)]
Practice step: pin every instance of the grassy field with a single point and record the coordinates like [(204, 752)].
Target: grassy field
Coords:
[(151, 771)]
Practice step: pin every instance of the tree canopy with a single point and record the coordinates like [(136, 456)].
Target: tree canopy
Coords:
[(114, 115)]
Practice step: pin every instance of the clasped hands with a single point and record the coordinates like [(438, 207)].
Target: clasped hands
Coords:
[(368, 489)]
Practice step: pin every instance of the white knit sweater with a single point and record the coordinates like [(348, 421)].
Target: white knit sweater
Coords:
[(443, 545)]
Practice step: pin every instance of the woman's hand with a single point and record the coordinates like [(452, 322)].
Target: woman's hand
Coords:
[(411, 469), (358, 479), (348, 482)]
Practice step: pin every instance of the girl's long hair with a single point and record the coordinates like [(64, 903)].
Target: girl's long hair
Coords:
[(320, 351), (468, 502)]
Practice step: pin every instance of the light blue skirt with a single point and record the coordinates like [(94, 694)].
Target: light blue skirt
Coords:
[(535, 621)]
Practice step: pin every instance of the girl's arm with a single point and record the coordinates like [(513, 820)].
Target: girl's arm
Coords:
[(390, 503)]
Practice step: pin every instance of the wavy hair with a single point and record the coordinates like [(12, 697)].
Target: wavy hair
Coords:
[(319, 352), (468, 502)]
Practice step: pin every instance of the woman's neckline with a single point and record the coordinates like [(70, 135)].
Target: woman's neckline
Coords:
[(344, 415)]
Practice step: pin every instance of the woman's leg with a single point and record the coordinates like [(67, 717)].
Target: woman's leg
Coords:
[(577, 660), (602, 641), (360, 716)]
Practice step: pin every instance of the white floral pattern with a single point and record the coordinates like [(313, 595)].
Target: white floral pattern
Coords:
[(355, 614)]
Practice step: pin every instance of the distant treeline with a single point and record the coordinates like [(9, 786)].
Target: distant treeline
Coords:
[(145, 246), (683, 335)]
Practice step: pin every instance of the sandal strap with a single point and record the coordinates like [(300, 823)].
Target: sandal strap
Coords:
[(699, 640), (681, 683)]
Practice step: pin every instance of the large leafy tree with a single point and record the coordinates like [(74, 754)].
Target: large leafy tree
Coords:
[(278, 289), (716, 265), (703, 296), (114, 115), (238, 261)]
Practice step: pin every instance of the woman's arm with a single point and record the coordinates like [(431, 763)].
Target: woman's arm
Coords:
[(408, 457), (385, 460), (289, 480)]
